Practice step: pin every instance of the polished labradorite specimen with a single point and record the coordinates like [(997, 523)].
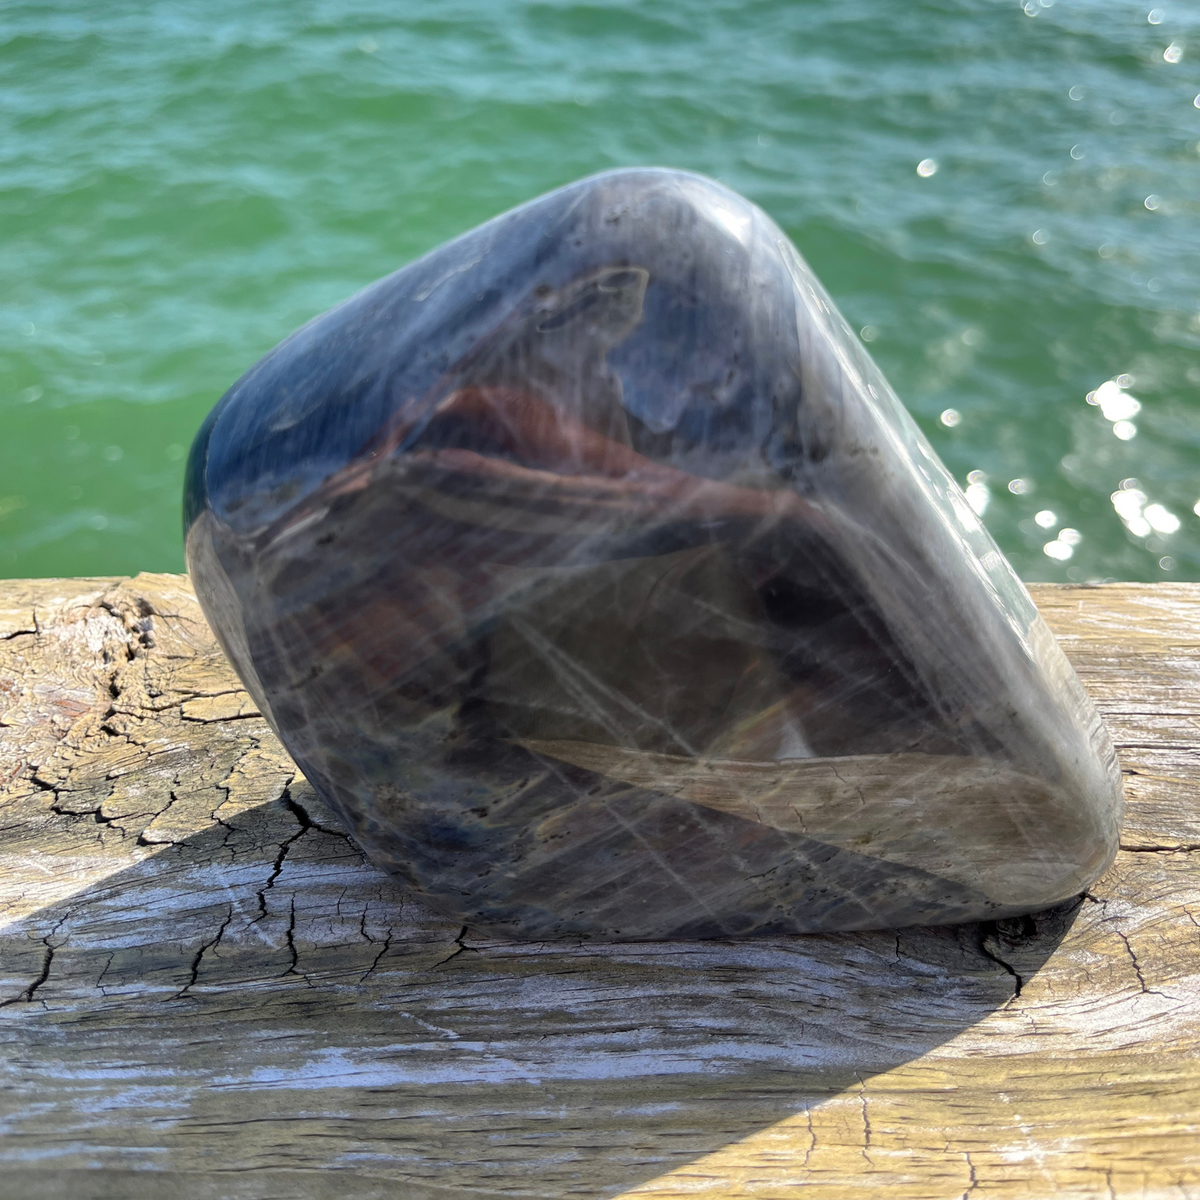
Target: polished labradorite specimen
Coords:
[(595, 575)]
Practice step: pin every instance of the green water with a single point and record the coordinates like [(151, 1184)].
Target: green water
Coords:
[(182, 185)]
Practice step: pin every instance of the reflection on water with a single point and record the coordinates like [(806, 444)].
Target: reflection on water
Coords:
[(1002, 198)]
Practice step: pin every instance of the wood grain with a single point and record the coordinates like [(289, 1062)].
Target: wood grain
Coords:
[(206, 991)]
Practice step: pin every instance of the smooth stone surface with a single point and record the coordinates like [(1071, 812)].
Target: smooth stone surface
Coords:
[(591, 570)]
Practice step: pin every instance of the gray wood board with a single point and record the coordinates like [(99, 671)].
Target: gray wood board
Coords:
[(205, 990)]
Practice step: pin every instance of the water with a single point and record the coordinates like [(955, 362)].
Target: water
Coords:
[(182, 186)]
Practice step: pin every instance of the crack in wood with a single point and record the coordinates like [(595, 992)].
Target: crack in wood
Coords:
[(199, 956)]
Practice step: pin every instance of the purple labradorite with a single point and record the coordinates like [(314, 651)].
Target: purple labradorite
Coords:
[(595, 575)]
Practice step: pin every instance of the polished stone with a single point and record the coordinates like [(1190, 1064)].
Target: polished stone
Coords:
[(591, 570)]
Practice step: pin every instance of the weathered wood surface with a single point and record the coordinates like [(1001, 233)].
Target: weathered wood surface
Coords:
[(207, 992)]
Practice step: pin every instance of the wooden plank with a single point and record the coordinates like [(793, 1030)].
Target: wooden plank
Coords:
[(206, 991)]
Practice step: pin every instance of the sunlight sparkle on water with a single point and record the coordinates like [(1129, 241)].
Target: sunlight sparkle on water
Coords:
[(1161, 519), (1115, 404), (978, 494), (1140, 518), (1064, 545)]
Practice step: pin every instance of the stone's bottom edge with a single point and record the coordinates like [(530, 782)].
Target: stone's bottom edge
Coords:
[(653, 848), (523, 933)]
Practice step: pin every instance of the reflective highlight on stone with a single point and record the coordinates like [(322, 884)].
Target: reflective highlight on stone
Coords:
[(589, 567)]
